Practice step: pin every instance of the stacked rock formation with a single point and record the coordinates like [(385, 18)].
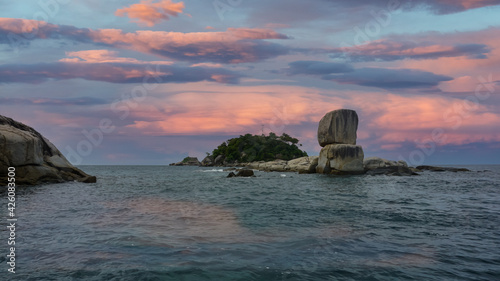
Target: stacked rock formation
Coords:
[(35, 158), (337, 133)]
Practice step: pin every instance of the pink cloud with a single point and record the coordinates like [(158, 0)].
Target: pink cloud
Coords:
[(463, 65), (396, 119), (387, 120), (235, 45), (104, 56), (193, 112), (255, 33), (149, 13), (21, 25), (207, 64), (460, 84), (397, 49)]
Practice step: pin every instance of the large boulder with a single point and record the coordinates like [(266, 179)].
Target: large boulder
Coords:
[(35, 158), (340, 159), (219, 160), (338, 127)]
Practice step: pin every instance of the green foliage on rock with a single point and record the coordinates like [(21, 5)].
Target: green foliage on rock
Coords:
[(249, 148), (187, 159)]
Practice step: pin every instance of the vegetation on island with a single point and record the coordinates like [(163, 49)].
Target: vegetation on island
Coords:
[(249, 148), (187, 159)]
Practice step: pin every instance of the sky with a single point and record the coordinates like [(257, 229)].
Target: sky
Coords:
[(150, 82)]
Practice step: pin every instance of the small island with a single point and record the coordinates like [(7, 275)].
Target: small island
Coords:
[(337, 134), (251, 148)]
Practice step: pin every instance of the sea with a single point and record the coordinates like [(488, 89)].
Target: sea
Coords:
[(191, 223)]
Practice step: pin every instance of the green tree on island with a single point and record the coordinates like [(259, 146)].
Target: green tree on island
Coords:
[(249, 148)]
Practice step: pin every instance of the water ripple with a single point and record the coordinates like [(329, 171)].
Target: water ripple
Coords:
[(182, 223)]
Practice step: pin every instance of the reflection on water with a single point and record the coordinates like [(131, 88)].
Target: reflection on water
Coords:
[(177, 221)]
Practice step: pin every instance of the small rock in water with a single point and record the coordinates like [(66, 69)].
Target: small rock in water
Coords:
[(242, 173), (89, 179), (245, 173)]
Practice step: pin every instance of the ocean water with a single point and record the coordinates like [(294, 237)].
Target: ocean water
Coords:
[(190, 223)]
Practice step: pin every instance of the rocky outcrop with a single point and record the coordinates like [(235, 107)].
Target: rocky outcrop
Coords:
[(188, 161), (270, 166), (392, 171), (303, 165), (338, 127), (378, 166), (372, 163), (35, 158), (337, 135), (340, 159), (208, 161), (442, 169), (219, 160)]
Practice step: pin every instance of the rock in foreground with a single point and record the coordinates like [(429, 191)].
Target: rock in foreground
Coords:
[(35, 158)]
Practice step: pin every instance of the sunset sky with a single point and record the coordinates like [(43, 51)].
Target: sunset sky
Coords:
[(150, 82)]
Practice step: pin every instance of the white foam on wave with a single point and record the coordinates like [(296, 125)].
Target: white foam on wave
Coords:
[(212, 171)]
